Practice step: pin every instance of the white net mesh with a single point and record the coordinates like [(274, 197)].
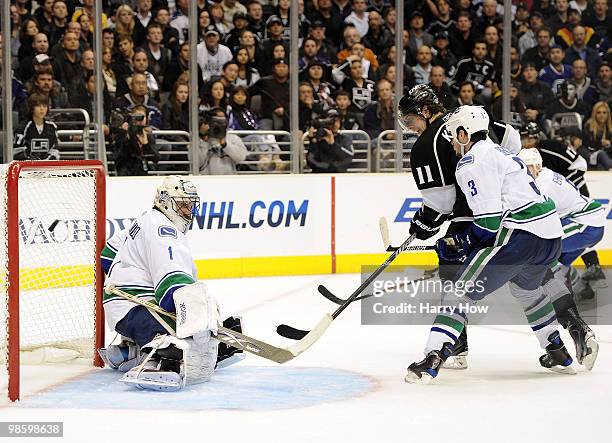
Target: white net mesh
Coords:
[(57, 261)]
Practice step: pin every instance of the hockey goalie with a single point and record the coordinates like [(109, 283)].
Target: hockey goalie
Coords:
[(151, 261)]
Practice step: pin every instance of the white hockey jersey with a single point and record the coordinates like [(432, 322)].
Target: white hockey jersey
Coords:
[(152, 261), (500, 192), (568, 200)]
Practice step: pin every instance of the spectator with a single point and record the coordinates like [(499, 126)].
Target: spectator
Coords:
[(443, 56), (556, 71), (215, 96), (217, 19), (123, 60), (390, 17), (203, 24), (140, 63), (545, 7), (494, 49), (579, 50), (44, 14), (248, 75), (358, 50), (110, 79), (310, 54), (40, 45), (476, 69), (462, 37), (330, 19), (564, 36), (517, 107), (36, 139), (178, 66), (219, 152), (598, 132), (143, 18), (257, 24), (535, 94), (308, 109), (175, 112), (350, 120), (139, 95), (520, 24), (282, 13), (560, 18), (328, 150), (124, 21), (604, 82), (488, 15), (180, 19), (466, 95), (539, 55), (515, 65), (529, 39), (67, 67), (326, 50), (43, 83), (88, 10), (584, 86), (170, 38), (274, 91), (90, 97), (438, 83), (323, 91), (443, 20), (231, 8), (232, 39), (361, 90), (29, 28), (568, 101), (274, 37), (379, 116), (159, 57), (57, 29), (418, 37), (108, 39), (351, 36), (262, 148), (378, 38), (600, 19), (247, 40), (133, 145), (212, 55), (358, 17), (86, 36), (422, 69)]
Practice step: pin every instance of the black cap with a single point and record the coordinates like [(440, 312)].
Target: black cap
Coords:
[(416, 13), (529, 65), (574, 10), (279, 61), (317, 24), (522, 5), (316, 62), (537, 14), (441, 34), (238, 15), (273, 19)]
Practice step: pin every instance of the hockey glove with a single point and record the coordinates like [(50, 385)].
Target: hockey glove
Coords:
[(456, 247), (424, 223)]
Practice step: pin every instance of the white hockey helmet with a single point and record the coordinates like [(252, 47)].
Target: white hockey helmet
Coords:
[(178, 200), (531, 157), (471, 119)]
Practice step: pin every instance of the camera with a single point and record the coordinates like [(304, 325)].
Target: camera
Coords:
[(325, 121), (217, 127)]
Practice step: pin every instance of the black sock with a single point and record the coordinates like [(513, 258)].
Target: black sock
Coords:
[(590, 258)]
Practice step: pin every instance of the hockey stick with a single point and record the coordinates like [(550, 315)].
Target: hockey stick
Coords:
[(384, 233), (241, 341), (298, 334)]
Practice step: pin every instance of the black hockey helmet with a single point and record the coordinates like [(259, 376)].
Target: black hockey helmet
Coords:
[(530, 129), (413, 103)]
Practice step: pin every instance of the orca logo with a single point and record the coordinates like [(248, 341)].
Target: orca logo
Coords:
[(167, 231)]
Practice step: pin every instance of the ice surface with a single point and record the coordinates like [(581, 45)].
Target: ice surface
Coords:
[(348, 387)]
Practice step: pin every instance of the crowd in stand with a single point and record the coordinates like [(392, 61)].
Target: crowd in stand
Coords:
[(561, 61)]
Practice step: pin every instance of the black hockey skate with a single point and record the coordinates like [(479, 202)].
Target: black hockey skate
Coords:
[(458, 359), (229, 355), (557, 359), (595, 276), (584, 339), (427, 369)]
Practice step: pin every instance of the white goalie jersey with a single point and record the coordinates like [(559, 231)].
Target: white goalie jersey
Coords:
[(152, 260)]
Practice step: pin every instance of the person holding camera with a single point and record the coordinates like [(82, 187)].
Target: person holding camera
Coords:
[(329, 151), (132, 140), (219, 151)]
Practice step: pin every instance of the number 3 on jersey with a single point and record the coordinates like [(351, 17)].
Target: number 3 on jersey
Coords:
[(473, 190)]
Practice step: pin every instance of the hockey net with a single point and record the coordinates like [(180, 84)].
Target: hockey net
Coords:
[(52, 228)]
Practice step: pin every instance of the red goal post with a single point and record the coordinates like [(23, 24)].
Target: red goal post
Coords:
[(52, 230)]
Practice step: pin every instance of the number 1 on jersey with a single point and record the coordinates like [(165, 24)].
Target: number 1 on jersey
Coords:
[(170, 251)]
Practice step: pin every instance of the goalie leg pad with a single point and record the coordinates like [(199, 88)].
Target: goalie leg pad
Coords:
[(200, 359), (196, 310)]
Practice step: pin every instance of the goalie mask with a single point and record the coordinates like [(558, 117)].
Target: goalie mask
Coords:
[(178, 200)]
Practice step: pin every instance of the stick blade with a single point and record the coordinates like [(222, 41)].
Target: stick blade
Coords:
[(291, 332), (383, 225)]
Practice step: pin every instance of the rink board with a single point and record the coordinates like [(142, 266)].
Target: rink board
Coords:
[(306, 224)]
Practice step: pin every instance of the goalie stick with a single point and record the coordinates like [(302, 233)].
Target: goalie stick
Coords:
[(241, 341), (298, 334)]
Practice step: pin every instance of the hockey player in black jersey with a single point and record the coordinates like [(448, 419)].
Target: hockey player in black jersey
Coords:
[(563, 159), (36, 139), (433, 163)]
